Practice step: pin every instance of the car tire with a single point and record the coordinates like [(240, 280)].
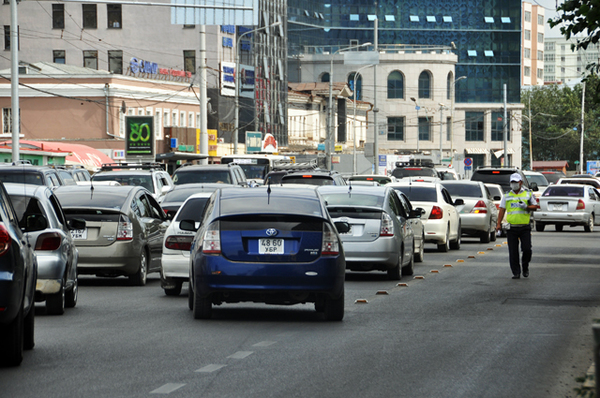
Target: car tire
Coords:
[(29, 329), (493, 235), (55, 303), (394, 274), (176, 291), (334, 308), (11, 341), (409, 269), (539, 226), (485, 237), (444, 247), (202, 307), (141, 276), (558, 227), (421, 254), (190, 297), (590, 225), (455, 245), (72, 293)]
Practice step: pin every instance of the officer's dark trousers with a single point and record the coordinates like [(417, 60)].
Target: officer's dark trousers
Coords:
[(513, 236)]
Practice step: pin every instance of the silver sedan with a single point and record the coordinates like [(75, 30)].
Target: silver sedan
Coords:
[(568, 204)]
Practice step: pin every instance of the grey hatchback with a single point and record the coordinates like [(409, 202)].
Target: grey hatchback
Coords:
[(125, 227)]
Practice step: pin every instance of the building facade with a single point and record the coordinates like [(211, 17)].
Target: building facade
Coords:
[(564, 65), (532, 58)]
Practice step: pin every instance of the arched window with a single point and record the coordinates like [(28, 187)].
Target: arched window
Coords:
[(424, 85), (325, 78), (395, 85), (449, 83), (358, 90)]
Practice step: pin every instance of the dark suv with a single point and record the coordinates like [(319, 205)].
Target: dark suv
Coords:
[(18, 275), (415, 168), (229, 173), (23, 173), (501, 176)]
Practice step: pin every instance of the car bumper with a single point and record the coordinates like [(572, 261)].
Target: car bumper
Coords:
[(51, 267), (475, 223), (48, 286), (382, 253), (10, 297), (561, 217), (435, 231), (175, 266), (120, 258)]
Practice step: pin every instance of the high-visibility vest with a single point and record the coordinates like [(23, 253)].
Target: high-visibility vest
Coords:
[(514, 214)]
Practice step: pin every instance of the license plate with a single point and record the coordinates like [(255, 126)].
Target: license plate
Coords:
[(558, 207), (270, 246), (79, 233)]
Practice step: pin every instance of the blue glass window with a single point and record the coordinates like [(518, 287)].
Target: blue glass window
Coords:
[(354, 17), (447, 19), (325, 78), (471, 53), (371, 17), (489, 53), (395, 129), (431, 18), (505, 19), (424, 85), (414, 18), (395, 85), (473, 126), (358, 90), (424, 129), (489, 19), (390, 18), (498, 126)]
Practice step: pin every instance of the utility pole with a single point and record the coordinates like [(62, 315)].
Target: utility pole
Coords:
[(14, 79), (505, 124), (582, 120)]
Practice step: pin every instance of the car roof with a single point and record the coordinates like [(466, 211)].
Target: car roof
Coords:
[(14, 188), (75, 191), (126, 172), (205, 167), (408, 184), (531, 173), (354, 189), (460, 182)]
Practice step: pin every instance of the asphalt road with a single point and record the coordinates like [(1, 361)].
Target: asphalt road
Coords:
[(468, 330)]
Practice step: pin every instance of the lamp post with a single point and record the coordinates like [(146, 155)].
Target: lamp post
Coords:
[(442, 107), (330, 105), (237, 83), (452, 115), (354, 119), (417, 108)]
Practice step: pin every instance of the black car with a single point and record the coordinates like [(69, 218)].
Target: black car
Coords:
[(29, 174), (415, 168), (501, 176), (173, 200), (18, 275)]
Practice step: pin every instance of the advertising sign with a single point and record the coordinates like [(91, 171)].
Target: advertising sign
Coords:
[(139, 137), (593, 166), (228, 80), (253, 141), (212, 142)]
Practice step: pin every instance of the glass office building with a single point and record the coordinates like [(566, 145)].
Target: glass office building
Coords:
[(486, 35)]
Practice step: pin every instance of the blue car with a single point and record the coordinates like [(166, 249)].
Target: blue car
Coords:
[(273, 245)]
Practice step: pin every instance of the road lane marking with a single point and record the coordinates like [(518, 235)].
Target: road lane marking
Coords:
[(241, 354), (264, 344), (167, 388), (210, 368)]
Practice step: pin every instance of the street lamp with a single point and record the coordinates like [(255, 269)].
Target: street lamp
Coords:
[(417, 107), (453, 93), (442, 107), (330, 107), (354, 119), (237, 83)]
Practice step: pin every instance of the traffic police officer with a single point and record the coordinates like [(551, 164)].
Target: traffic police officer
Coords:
[(518, 203)]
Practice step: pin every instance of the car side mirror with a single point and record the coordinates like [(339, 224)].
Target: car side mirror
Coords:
[(76, 223), (342, 227), (497, 198), (35, 222), (416, 213), (459, 202), (165, 189), (534, 186), (188, 225)]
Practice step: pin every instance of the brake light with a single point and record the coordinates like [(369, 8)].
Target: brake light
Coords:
[(211, 242), (125, 228), (479, 208), (580, 205), (307, 176), (419, 180), (495, 172), (48, 241), (175, 242), (387, 225), (369, 178), (436, 213), (5, 240), (331, 244)]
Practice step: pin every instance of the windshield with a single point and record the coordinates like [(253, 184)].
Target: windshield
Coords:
[(401, 172), (254, 170), (124, 179), (202, 176), (310, 180), (466, 190), (540, 180), (419, 194), (500, 177), (22, 178), (557, 190)]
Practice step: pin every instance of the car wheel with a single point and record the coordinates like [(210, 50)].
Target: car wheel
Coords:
[(140, 277), (444, 247), (455, 245), (190, 297), (558, 227), (29, 329), (55, 303), (202, 307), (590, 225), (320, 305), (409, 269), (72, 293), (176, 291), (334, 308), (421, 254), (394, 273), (493, 235), (485, 237), (539, 227), (11, 341)]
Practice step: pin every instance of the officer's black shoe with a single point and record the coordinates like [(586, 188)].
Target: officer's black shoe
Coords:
[(516, 276), (526, 273)]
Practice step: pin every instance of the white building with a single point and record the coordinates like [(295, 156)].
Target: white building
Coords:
[(532, 45), (562, 64)]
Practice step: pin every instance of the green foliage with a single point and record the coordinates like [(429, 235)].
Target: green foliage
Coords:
[(554, 138)]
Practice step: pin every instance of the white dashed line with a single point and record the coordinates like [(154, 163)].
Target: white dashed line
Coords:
[(241, 354), (264, 344), (210, 368), (167, 388)]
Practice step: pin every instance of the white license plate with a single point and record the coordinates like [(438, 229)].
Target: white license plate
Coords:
[(270, 246), (558, 207), (79, 233)]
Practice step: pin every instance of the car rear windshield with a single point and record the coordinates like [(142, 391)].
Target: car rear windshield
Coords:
[(370, 214), (401, 172), (595, 184), (464, 190), (92, 215), (419, 194), (192, 210), (92, 199), (135, 180), (576, 192), (22, 178), (539, 180), (266, 221), (271, 204), (202, 176), (381, 180), (337, 199), (500, 177), (308, 179)]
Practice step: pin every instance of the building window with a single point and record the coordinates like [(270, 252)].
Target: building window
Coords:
[(189, 61), (90, 16), (540, 37), (540, 19), (549, 46), (424, 129), (473, 126), (527, 34), (113, 12), (90, 59), (448, 129), (540, 73), (449, 81), (174, 119), (7, 37), (562, 59), (527, 16), (6, 121), (395, 85), (527, 71), (191, 119), (325, 78), (58, 56), (165, 118), (549, 57), (498, 126), (58, 16), (115, 62), (395, 129), (527, 53), (189, 26), (424, 85), (358, 90)]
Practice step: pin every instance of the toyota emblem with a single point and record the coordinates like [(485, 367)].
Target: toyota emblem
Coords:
[(271, 232)]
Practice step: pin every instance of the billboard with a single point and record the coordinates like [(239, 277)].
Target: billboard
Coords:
[(139, 138), (228, 80)]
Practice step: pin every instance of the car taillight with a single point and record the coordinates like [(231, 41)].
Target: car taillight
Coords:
[(580, 205), (387, 225), (331, 244), (5, 240), (211, 244), (176, 242), (48, 241), (479, 208), (125, 228), (498, 206), (436, 213)]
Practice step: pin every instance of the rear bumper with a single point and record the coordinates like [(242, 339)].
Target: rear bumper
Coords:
[(382, 254), (561, 217), (50, 266), (475, 223), (175, 266), (435, 231), (48, 286), (119, 258)]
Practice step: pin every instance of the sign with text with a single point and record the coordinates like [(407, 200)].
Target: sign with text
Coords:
[(253, 141), (139, 137), (219, 12), (228, 80)]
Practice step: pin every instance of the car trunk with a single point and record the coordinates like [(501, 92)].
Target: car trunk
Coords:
[(365, 222), (559, 203), (100, 226)]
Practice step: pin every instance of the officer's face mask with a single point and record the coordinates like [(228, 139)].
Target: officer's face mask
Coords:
[(515, 186)]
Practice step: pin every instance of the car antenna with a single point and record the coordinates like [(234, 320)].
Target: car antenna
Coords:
[(269, 192), (350, 189)]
